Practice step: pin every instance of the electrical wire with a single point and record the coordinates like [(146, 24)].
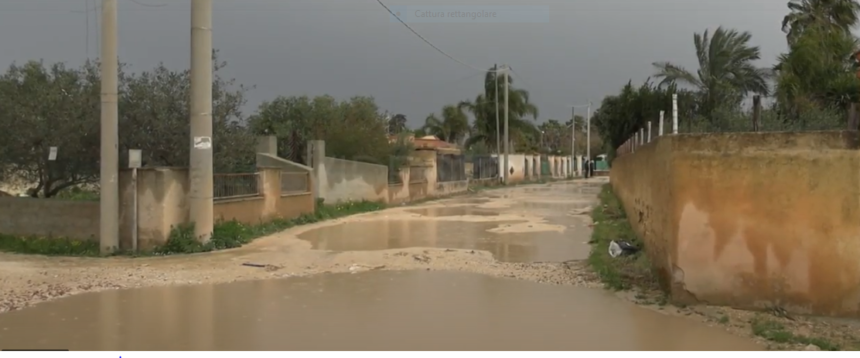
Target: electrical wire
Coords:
[(428, 41), (147, 5)]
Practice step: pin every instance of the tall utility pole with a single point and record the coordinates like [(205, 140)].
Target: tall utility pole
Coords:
[(588, 132), (109, 171), (498, 137), (573, 140), (201, 193), (507, 136)]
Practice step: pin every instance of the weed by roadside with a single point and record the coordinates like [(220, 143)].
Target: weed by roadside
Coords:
[(776, 332), (610, 223), (49, 246), (226, 235), (78, 194), (232, 234)]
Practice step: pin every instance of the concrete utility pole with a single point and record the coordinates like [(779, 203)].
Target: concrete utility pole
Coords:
[(573, 140), (507, 134), (588, 132), (109, 171), (498, 130), (674, 114), (660, 132), (201, 193)]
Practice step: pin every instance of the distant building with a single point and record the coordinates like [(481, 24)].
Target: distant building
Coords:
[(429, 142)]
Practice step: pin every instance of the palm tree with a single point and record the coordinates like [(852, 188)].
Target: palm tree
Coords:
[(838, 15), (453, 126), (726, 72), (397, 124), (483, 108)]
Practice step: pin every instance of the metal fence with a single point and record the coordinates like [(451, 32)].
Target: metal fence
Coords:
[(484, 167), (295, 182), (728, 120), (450, 167), (229, 186)]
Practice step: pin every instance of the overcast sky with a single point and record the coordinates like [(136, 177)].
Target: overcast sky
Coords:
[(586, 50)]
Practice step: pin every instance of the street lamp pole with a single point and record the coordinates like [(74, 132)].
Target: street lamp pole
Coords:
[(588, 132), (507, 132), (573, 140)]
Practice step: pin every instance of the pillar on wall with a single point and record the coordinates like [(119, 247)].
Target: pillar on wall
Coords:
[(316, 155), (267, 145)]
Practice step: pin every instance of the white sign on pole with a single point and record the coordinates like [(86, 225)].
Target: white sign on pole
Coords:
[(202, 142), (52, 154), (134, 158)]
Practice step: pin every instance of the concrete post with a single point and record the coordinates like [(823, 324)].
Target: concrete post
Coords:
[(573, 140), (660, 131), (588, 132), (109, 168), (316, 159), (674, 114), (200, 163), (649, 131), (268, 145), (507, 132)]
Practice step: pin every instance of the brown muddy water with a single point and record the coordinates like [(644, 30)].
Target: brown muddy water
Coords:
[(379, 310), (453, 211), (383, 234)]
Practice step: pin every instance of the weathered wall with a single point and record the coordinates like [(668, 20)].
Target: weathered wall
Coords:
[(49, 217), (515, 162), (451, 188), (752, 219), (347, 180), (399, 193), (162, 204)]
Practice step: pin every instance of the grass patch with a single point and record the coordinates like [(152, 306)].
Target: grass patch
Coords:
[(78, 194), (232, 234), (225, 235), (50, 246), (776, 332), (610, 223)]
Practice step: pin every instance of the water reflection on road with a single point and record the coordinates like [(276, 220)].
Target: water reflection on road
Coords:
[(381, 310)]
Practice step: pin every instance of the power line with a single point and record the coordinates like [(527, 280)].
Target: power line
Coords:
[(428, 41), (147, 5)]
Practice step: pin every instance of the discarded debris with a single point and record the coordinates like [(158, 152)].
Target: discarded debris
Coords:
[(421, 258), (620, 248), (355, 268), (269, 268)]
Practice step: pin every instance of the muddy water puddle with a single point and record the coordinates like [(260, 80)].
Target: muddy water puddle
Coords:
[(453, 211), (381, 310), (540, 246)]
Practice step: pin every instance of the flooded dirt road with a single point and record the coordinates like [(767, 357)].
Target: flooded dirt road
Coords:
[(500, 270), (408, 310)]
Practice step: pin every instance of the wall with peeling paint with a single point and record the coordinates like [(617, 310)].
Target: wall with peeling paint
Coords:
[(750, 220), (347, 180)]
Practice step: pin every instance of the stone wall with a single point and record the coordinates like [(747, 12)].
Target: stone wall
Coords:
[(49, 217), (751, 219)]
